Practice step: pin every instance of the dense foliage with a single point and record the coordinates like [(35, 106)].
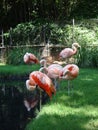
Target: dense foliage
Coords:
[(84, 32), (18, 11), (37, 21)]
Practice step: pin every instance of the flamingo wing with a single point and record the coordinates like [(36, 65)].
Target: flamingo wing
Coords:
[(44, 82), (55, 65), (54, 70), (72, 71), (66, 53), (53, 73), (30, 58), (33, 58)]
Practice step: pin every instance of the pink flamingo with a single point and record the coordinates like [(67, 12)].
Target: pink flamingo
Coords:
[(69, 52), (37, 78), (69, 72), (30, 58), (52, 70)]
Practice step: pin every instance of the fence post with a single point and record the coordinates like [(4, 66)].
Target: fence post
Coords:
[(73, 23), (10, 33), (2, 35)]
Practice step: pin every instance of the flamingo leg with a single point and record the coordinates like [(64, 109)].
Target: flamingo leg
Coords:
[(39, 92), (67, 61), (56, 83), (40, 99), (72, 87), (68, 87)]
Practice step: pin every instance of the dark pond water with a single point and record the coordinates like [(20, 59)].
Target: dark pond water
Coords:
[(13, 112)]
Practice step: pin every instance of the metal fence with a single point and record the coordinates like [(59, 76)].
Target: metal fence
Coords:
[(38, 50)]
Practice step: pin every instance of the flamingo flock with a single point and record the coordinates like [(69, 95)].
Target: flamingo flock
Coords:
[(46, 78), (52, 71)]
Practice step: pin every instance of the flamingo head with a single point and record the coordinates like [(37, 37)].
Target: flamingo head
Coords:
[(30, 85), (43, 62), (76, 45), (26, 57)]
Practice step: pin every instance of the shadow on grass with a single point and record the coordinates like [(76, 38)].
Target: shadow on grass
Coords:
[(60, 122), (77, 99), (85, 90)]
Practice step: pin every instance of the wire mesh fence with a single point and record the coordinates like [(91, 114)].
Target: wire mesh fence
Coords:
[(38, 50)]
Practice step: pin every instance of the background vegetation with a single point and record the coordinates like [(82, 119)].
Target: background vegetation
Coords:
[(19, 11), (37, 21), (84, 32)]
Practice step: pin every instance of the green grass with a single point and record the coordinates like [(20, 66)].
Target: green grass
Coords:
[(78, 111), (19, 69)]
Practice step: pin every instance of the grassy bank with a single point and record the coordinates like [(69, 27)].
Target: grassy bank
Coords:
[(78, 111), (17, 70)]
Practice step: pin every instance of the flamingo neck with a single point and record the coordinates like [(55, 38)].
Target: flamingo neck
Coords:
[(44, 66), (74, 49), (43, 63)]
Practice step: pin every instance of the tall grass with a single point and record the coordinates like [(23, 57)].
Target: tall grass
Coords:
[(77, 111)]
